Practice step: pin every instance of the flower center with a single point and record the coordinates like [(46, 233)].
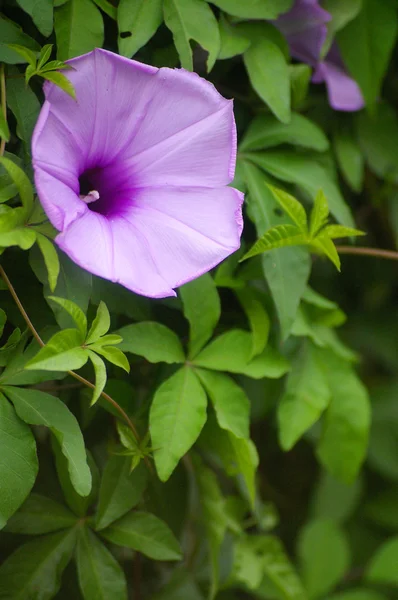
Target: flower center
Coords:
[(106, 190)]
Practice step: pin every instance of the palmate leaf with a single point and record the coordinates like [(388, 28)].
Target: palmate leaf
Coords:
[(278, 237), (319, 213), (292, 207)]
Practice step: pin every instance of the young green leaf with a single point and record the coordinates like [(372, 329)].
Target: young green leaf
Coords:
[(99, 573), (113, 355), (100, 375), (146, 533), (100, 325), (153, 341), (176, 418), (269, 75), (19, 466), (339, 231), (59, 80), (202, 308), (39, 515), (192, 20), (324, 245), (10, 33), (279, 236), (319, 213), (120, 490), (63, 352), (74, 311), (51, 259), (29, 56), (44, 560), (292, 207), (38, 408)]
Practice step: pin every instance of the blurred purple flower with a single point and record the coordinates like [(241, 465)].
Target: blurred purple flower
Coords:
[(134, 174), (304, 27)]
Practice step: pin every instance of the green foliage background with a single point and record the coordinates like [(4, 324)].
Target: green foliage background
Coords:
[(241, 440)]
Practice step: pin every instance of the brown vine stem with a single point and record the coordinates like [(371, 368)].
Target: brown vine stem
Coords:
[(72, 373), (374, 252), (3, 103)]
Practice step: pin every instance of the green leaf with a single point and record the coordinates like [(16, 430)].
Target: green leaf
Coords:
[(60, 80), (383, 566), (366, 44), (232, 41), (192, 20), (146, 533), (300, 78), (113, 355), (34, 570), (382, 509), (324, 245), (213, 518), (230, 402), (38, 408), (50, 258), (11, 33), (41, 12), (319, 213), (343, 444), (18, 464), (153, 341), (292, 207), (286, 270), (202, 308), (39, 515), (358, 594), (349, 158), (342, 12), (99, 573), (63, 352), (101, 324), (74, 311), (100, 375), (265, 132), (258, 319), (108, 8), (260, 556), (79, 28), (334, 500), (120, 489), (140, 19), (306, 396), (45, 54), (324, 555), (269, 75), (254, 9), (177, 415), (22, 182), (376, 134), (308, 174), (231, 352), (339, 231), (279, 236)]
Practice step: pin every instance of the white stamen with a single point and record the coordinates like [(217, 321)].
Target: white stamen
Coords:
[(92, 196)]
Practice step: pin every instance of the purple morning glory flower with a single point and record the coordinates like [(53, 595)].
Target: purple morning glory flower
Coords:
[(304, 27), (135, 174)]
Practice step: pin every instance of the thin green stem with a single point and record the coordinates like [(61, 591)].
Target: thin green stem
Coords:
[(374, 252), (3, 103), (72, 373)]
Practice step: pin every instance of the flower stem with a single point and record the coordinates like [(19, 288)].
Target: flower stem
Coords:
[(3, 105), (72, 373), (375, 252)]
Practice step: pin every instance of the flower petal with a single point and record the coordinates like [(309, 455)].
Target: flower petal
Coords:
[(344, 93), (61, 204), (189, 230), (115, 250)]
